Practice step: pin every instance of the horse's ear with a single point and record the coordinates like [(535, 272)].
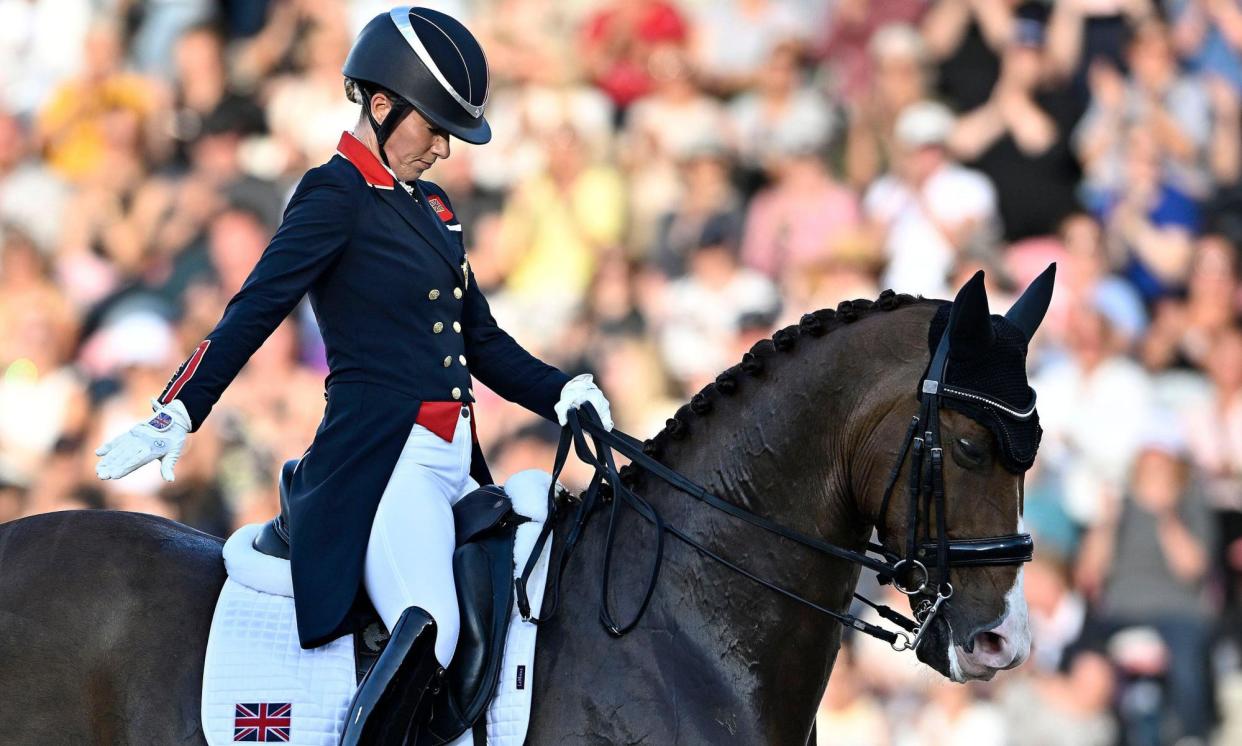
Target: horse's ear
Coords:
[(1028, 311), (970, 322)]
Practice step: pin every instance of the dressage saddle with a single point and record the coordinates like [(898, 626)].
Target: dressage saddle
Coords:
[(483, 567)]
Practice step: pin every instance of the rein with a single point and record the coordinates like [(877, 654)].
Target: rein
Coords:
[(909, 574), (602, 459)]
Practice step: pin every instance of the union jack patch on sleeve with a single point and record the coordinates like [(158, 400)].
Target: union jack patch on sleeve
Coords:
[(268, 722)]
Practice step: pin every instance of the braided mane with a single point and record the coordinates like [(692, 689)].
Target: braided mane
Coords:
[(727, 385)]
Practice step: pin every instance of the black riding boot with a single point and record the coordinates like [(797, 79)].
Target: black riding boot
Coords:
[(393, 690)]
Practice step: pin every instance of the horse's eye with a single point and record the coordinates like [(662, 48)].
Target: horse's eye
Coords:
[(970, 452)]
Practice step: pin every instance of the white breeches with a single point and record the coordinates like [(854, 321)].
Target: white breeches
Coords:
[(409, 558)]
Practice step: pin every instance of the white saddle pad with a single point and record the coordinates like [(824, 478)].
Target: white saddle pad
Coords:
[(259, 685)]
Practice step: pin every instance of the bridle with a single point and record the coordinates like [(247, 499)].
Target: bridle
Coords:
[(925, 492), (909, 573)]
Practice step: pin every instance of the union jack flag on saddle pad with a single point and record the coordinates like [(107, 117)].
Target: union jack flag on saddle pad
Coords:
[(268, 722)]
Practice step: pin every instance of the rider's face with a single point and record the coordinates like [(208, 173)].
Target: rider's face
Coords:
[(415, 145)]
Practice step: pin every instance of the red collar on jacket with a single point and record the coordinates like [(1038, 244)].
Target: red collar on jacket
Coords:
[(372, 169)]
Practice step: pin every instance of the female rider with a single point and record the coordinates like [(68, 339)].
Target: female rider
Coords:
[(380, 253)]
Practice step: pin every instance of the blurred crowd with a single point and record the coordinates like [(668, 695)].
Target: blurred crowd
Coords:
[(671, 180)]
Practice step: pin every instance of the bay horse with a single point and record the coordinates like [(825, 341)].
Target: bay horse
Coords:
[(104, 615)]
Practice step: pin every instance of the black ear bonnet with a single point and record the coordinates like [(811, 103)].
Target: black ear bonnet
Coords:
[(985, 374), (997, 371)]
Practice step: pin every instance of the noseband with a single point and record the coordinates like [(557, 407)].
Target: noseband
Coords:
[(909, 573)]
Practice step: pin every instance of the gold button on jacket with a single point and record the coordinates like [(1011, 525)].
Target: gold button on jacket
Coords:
[(433, 294), (457, 293), (457, 327), (456, 393), (461, 359), (448, 361), (438, 327)]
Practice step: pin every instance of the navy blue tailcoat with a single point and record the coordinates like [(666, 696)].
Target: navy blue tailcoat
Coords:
[(403, 322)]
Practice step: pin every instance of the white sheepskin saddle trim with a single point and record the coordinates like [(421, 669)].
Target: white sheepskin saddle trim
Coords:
[(253, 569)]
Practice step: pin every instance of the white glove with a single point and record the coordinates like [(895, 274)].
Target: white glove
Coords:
[(160, 437), (582, 390)]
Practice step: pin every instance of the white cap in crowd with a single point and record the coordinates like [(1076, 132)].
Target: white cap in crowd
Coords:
[(923, 123)]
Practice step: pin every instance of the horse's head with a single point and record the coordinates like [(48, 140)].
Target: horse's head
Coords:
[(976, 436)]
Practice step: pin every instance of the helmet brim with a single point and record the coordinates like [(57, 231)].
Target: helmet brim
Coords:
[(477, 133)]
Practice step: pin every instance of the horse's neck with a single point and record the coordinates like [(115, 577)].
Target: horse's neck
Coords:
[(778, 452)]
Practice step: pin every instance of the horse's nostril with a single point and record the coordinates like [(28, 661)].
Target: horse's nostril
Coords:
[(989, 643)]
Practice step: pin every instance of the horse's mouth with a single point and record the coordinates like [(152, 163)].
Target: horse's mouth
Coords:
[(936, 649), (962, 669), (939, 652), (951, 660)]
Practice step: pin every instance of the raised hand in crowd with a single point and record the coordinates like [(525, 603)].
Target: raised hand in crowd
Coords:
[(946, 24), (1224, 153), (1012, 108)]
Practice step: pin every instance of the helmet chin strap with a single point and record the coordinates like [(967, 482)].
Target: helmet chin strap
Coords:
[(383, 130)]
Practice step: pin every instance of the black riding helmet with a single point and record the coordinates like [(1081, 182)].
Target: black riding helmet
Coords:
[(430, 62)]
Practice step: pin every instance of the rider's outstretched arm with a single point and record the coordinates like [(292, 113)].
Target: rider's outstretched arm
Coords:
[(317, 226)]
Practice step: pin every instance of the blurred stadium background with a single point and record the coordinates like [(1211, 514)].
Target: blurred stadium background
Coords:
[(669, 182)]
